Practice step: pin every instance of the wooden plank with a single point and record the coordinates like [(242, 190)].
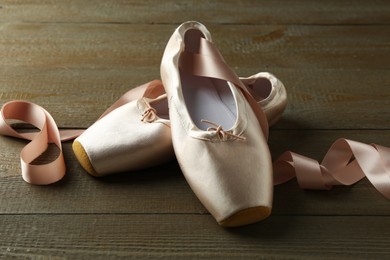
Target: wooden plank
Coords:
[(223, 11), (192, 236), (163, 189), (92, 65), (76, 57), (97, 46), (318, 99)]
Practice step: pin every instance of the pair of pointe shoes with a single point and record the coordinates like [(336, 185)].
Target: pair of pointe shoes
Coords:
[(217, 123), (137, 135)]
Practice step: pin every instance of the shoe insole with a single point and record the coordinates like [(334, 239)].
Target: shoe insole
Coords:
[(208, 99), (261, 88), (161, 107)]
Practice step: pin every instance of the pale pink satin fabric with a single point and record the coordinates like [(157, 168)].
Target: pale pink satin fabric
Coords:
[(345, 163), (209, 63), (40, 118)]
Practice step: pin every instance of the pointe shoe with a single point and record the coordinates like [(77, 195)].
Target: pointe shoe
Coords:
[(130, 135), (121, 141), (218, 131)]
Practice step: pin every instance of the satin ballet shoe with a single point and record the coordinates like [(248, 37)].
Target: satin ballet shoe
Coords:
[(270, 94), (218, 131), (124, 142), (132, 134)]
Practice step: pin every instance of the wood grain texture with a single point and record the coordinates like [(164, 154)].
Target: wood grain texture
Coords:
[(76, 58), (194, 236), (163, 189), (98, 46), (76, 71), (225, 11)]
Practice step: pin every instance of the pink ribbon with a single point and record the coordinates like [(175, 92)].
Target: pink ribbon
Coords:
[(49, 133), (345, 163)]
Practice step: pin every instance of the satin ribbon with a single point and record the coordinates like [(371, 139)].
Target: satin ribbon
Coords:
[(210, 63), (345, 163), (37, 116)]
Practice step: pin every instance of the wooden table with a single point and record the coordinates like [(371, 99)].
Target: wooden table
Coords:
[(77, 57)]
